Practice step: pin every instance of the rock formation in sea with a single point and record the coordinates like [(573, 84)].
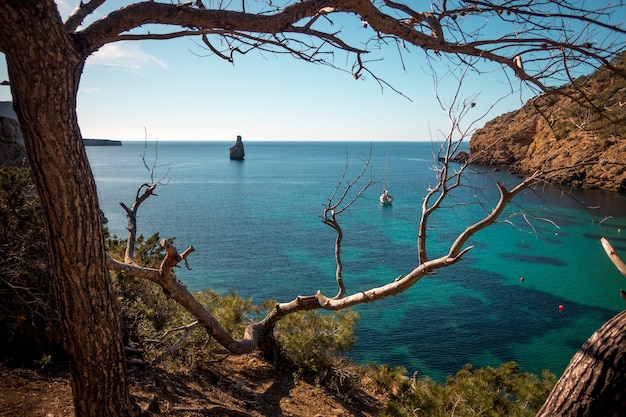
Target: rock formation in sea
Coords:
[(236, 151), (559, 130)]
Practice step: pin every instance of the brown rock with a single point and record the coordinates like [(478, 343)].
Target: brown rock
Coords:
[(556, 130)]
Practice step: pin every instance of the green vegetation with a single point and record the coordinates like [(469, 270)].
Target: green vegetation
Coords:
[(592, 104), (313, 342), (28, 322), (502, 391)]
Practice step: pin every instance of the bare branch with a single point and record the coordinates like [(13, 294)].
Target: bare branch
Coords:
[(333, 209), (179, 293), (143, 193), (614, 256), (531, 50), (79, 14), (186, 332), (617, 260)]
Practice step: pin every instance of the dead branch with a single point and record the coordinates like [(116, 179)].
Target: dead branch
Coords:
[(617, 260), (131, 213), (333, 209), (143, 193), (186, 332), (538, 36), (614, 256), (295, 30)]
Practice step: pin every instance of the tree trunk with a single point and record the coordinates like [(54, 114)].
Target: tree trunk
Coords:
[(594, 382), (44, 69)]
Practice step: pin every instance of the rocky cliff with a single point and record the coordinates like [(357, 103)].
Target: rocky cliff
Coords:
[(12, 150), (582, 125)]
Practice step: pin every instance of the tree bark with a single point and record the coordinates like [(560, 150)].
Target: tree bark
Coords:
[(44, 67), (594, 382)]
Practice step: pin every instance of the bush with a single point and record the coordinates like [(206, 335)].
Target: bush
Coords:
[(387, 379), (313, 340), (502, 391), (29, 324)]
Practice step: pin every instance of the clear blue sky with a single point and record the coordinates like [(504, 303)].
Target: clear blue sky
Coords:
[(168, 90)]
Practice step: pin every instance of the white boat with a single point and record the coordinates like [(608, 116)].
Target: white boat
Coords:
[(385, 198)]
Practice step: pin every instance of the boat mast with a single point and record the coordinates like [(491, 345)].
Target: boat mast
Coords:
[(385, 177)]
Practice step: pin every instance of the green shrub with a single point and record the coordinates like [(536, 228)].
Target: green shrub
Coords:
[(312, 340), (388, 379), (29, 325), (502, 391)]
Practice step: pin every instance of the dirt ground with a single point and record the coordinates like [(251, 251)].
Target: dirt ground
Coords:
[(231, 386)]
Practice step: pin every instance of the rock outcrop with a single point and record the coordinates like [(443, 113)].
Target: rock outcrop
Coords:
[(236, 151), (12, 150), (582, 125)]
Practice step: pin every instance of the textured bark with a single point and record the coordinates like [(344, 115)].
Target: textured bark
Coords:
[(44, 68), (594, 382)]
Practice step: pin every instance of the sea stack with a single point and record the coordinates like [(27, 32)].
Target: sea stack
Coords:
[(236, 151)]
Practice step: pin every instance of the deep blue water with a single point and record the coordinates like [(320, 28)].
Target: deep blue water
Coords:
[(256, 227)]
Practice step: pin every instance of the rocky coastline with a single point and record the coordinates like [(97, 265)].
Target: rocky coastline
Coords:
[(102, 142), (561, 130)]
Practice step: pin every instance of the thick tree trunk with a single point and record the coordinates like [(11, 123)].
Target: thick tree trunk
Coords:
[(594, 382), (44, 69)]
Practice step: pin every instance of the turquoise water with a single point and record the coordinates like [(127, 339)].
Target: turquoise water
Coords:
[(256, 226)]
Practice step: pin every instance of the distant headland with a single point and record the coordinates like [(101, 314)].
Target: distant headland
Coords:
[(101, 142)]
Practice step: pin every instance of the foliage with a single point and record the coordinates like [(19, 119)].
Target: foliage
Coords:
[(591, 104), (502, 391), (28, 320), (312, 340), (388, 379)]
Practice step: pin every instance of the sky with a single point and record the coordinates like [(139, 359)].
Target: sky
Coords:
[(174, 90)]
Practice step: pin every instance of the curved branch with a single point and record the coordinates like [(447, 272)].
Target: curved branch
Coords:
[(617, 260), (179, 293), (508, 51), (79, 14), (259, 31), (505, 197)]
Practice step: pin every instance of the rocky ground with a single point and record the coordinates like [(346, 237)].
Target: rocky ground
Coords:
[(228, 386)]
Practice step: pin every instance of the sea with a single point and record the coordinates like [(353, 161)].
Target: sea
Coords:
[(532, 289)]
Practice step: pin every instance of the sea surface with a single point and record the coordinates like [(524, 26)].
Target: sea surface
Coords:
[(257, 229)]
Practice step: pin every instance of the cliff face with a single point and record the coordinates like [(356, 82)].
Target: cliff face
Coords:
[(12, 150), (585, 123)]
